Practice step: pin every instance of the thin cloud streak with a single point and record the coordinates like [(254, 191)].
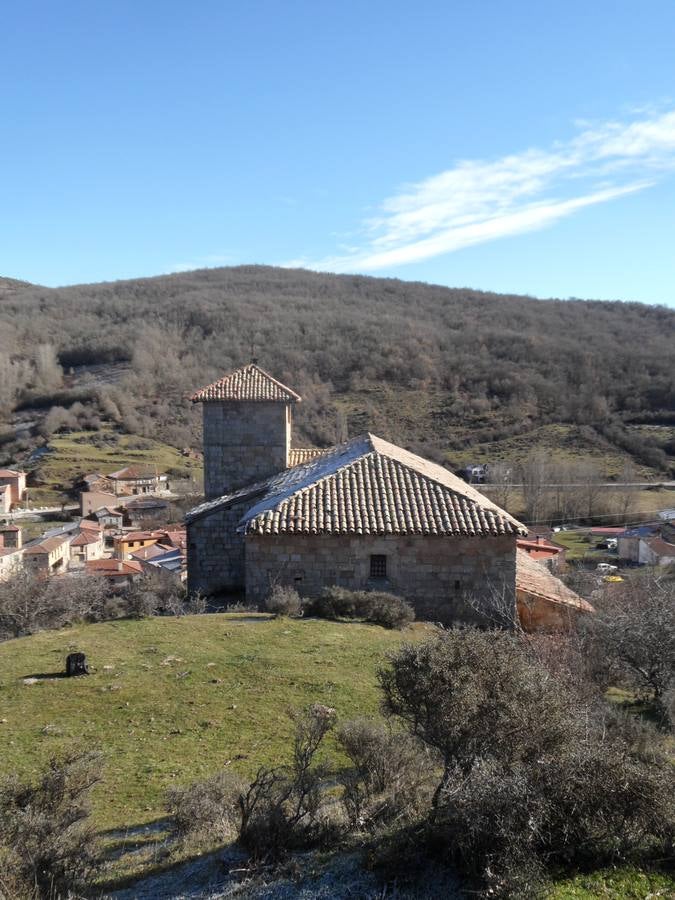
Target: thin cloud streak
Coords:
[(478, 201)]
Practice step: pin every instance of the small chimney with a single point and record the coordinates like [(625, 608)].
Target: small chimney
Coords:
[(120, 566)]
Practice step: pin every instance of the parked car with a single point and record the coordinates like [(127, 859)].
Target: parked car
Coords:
[(605, 568)]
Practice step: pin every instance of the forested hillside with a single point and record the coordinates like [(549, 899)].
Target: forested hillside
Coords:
[(439, 370)]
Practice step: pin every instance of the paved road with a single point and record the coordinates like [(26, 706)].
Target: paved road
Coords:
[(41, 511)]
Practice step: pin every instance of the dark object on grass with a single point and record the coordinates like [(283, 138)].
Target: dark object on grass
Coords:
[(76, 664)]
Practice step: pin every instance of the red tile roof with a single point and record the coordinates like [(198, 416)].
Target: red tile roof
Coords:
[(48, 544), (298, 456), (369, 486), (130, 473), (112, 567), (535, 580), (250, 383)]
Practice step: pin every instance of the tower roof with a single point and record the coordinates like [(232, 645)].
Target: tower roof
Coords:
[(250, 383)]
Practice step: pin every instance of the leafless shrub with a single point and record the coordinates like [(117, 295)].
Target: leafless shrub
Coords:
[(46, 839), (390, 779), (283, 601), (212, 805), (464, 691), (384, 609), (377, 607), (282, 808), (631, 639), (29, 604)]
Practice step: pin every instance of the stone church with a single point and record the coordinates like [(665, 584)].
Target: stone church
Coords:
[(365, 514)]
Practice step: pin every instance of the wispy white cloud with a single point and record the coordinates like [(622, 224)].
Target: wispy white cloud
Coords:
[(483, 200)]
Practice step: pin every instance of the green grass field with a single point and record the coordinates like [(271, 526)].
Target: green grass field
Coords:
[(82, 452), (174, 699)]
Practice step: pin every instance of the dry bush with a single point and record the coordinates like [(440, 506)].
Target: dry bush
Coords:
[(333, 602), (384, 609), (211, 806), (390, 779), (533, 779), (29, 604), (46, 839), (283, 601), (631, 639), (377, 607), (464, 691), (282, 809)]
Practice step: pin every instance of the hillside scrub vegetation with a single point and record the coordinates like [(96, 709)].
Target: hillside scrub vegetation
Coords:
[(487, 762), (437, 369), (495, 755), (29, 603)]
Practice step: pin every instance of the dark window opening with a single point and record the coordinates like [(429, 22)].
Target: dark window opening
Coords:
[(378, 566), (458, 585)]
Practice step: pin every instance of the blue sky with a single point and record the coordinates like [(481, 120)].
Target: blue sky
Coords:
[(498, 144)]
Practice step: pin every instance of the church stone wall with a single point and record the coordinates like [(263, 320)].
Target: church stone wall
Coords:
[(434, 573), (216, 562), (243, 443)]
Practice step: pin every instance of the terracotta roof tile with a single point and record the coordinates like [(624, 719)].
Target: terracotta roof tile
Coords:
[(48, 544), (249, 383), (297, 456), (369, 486), (534, 579), (111, 567)]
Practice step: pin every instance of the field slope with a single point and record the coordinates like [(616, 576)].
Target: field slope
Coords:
[(175, 699)]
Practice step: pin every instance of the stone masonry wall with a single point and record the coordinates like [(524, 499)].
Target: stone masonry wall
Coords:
[(243, 443), (434, 573), (216, 552)]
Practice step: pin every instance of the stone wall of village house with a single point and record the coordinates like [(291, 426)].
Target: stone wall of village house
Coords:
[(435, 574), (216, 551), (243, 443)]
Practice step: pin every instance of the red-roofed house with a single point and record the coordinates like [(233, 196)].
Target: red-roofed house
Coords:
[(117, 571), (87, 544), (135, 480), (546, 552), (49, 556)]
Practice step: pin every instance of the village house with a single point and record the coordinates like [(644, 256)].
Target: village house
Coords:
[(117, 572), (90, 501), (546, 552), (87, 544), (48, 555), (16, 482), (365, 515), (131, 541), (5, 499), (132, 480), (109, 518), (648, 545), (11, 551), (162, 558)]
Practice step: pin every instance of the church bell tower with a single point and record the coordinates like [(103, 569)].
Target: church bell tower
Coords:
[(247, 429)]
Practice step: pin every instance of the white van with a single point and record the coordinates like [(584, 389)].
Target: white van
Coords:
[(605, 568)]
